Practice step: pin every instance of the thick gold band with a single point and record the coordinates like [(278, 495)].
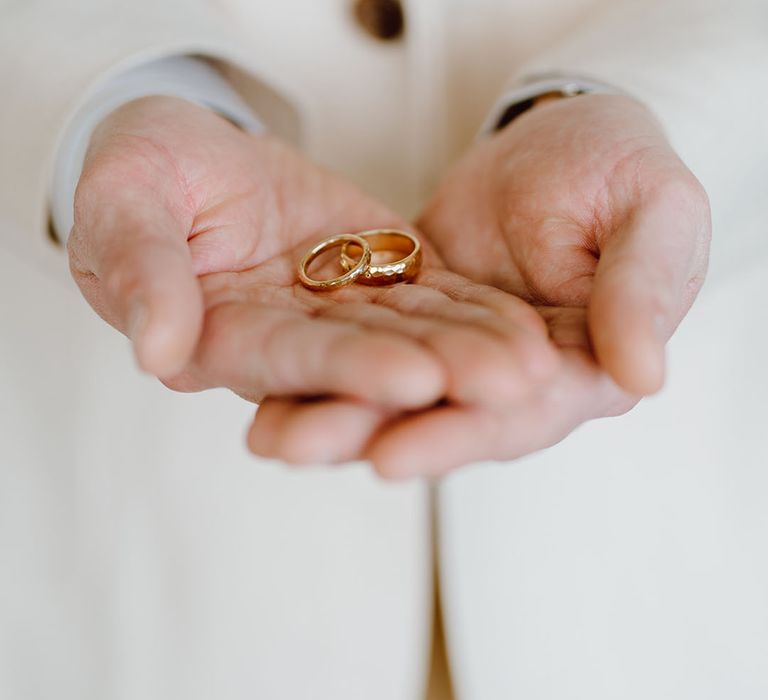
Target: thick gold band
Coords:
[(385, 240), (353, 272)]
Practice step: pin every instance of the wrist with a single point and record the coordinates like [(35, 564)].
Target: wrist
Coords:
[(185, 78), (536, 92)]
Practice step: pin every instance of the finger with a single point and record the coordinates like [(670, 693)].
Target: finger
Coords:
[(129, 255), (513, 308), (263, 432), (518, 321), (477, 365), (489, 359), (436, 441), (261, 351), (326, 431), (646, 279)]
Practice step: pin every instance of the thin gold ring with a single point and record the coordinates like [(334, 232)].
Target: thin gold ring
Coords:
[(352, 273), (392, 240)]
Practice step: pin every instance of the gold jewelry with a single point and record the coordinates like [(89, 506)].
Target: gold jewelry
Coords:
[(386, 240), (353, 272)]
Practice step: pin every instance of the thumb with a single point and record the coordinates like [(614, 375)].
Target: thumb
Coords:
[(647, 277), (130, 257)]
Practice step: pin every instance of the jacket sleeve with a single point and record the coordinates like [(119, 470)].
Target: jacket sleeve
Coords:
[(702, 67), (55, 56)]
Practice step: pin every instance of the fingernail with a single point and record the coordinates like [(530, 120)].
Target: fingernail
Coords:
[(137, 318)]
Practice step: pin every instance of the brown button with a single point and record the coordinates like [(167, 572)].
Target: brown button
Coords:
[(382, 19)]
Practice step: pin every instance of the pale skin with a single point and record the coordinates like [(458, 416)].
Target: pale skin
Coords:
[(187, 235), (582, 208), (589, 241)]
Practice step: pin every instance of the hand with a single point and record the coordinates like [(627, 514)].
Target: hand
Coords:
[(582, 208), (187, 232), (582, 203)]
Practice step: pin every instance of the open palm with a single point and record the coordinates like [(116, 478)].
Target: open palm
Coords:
[(186, 237), (582, 208)]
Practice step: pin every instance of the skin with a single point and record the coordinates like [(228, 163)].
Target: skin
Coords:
[(581, 208), (187, 235)]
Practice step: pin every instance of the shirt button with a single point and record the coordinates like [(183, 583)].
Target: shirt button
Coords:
[(382, 19)]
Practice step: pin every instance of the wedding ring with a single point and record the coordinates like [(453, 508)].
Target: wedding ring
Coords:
[(357, 267), (382, 241)]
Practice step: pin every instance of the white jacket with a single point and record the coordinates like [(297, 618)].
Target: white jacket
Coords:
[(144, 555)]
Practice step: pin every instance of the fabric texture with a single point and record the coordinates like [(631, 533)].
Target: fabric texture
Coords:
[(146, 555)]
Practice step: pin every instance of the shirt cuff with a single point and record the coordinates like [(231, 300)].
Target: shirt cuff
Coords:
[(185, 77), (521, 97)]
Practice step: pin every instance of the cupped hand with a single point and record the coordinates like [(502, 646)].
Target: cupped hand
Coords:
[(187, 234), (435, 441), (582, 208), (582, 203)]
